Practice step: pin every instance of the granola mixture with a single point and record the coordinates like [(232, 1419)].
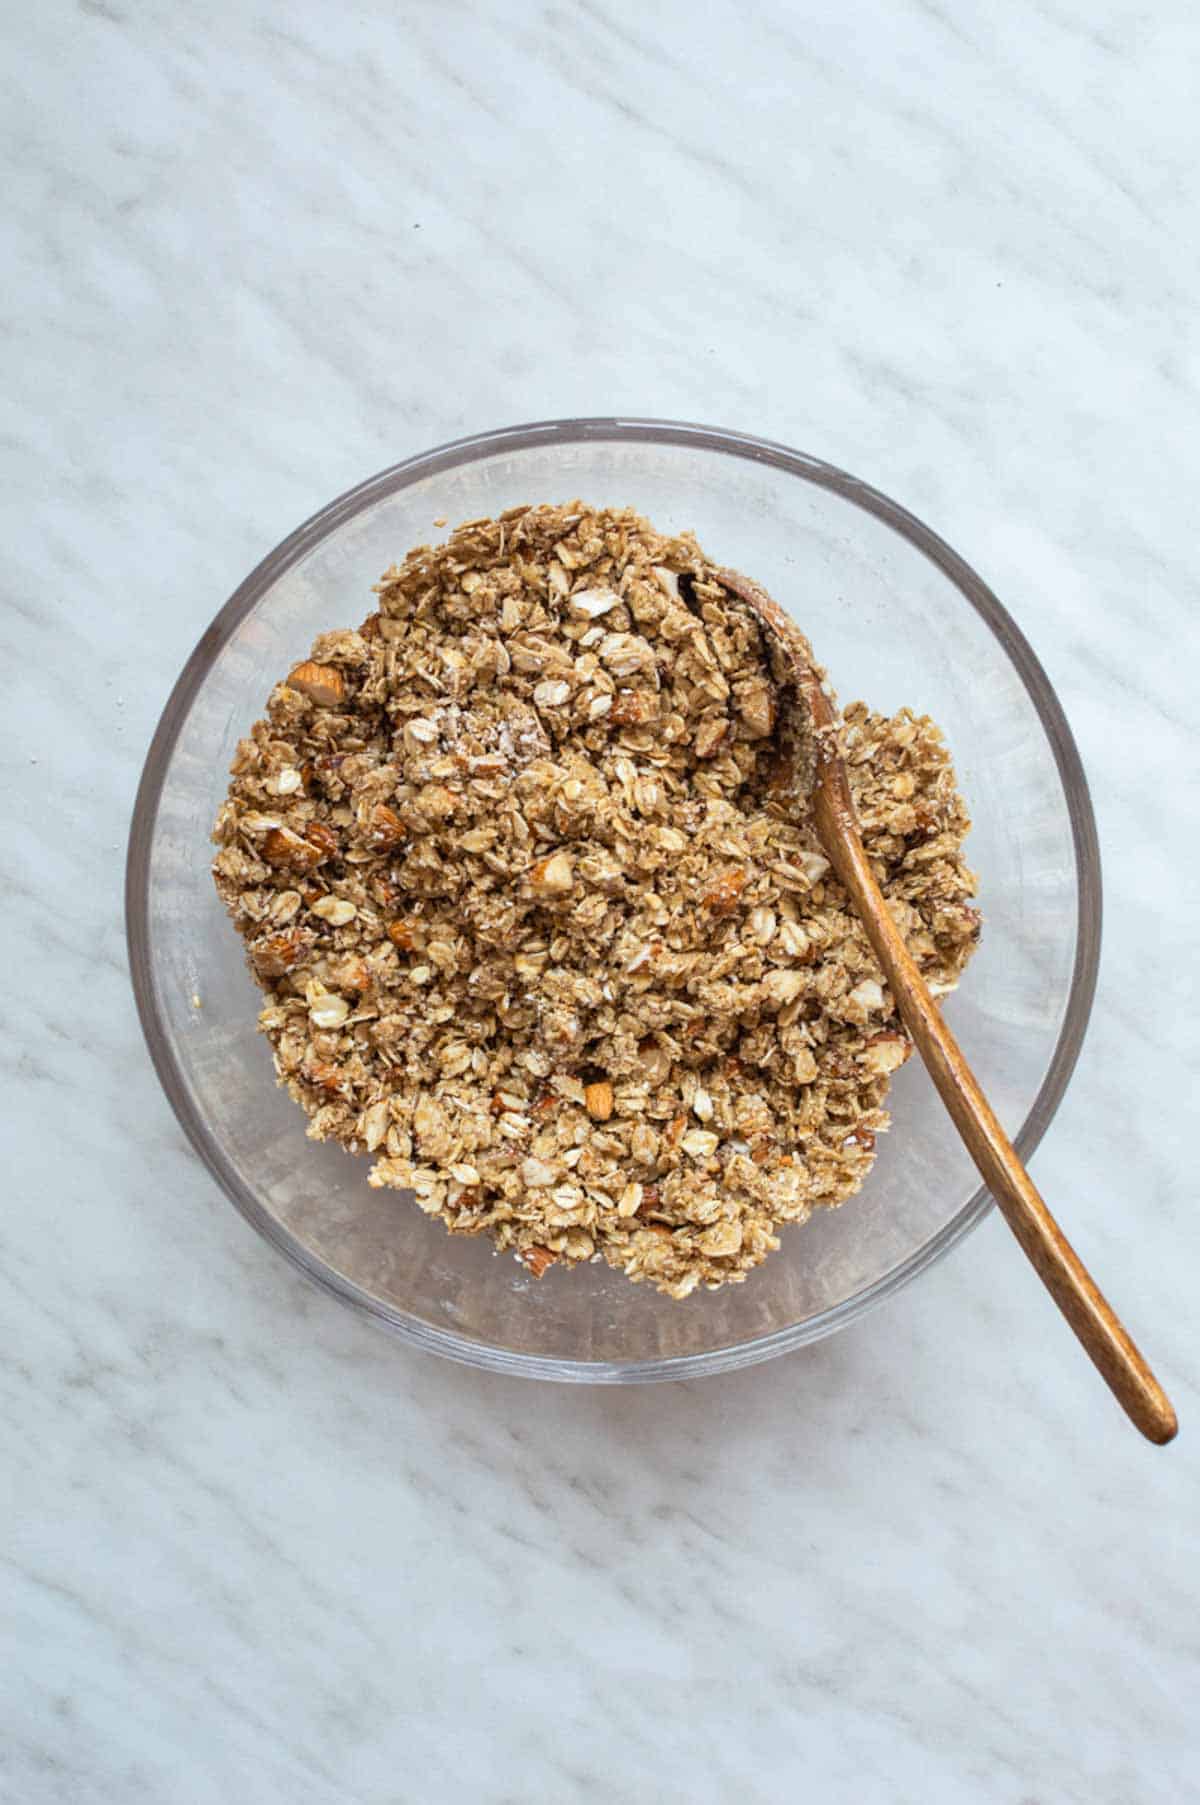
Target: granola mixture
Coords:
[(541, 930)]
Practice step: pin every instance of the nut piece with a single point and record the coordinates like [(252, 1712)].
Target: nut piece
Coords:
[(722, 899), (655, 1062), (633, 708), (353, 973), (796, 942), (814, 865), (536, 1172), (335, 910), (709, 737), (701, 1143), (385, 830), (885, 1053), (867, 996), (320, 835), (780, 987), (756, 708), (598, 1099), (277, 954), (321, 683), (593, 602), (400, 934), (537, 1259), (553, 876), (283, 847), (322, 1076)]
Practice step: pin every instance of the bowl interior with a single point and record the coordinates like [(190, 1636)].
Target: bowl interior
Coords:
[(897, 620)]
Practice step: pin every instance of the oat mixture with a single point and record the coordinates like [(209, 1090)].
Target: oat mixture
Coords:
[(540, 930)]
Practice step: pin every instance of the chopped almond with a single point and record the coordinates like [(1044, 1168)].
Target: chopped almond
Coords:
[(710, 737), (634, 708), (320, 835), (326, 1077), (385, 830), (277, 954), (722, 898), (283, 847), (598, 1098), (886, 1053), (553, 876), (321, 683)]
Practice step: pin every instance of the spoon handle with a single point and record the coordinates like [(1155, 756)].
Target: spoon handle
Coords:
[(1059, 1267)]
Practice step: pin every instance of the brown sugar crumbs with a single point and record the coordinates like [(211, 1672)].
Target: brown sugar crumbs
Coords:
[(540, 930)]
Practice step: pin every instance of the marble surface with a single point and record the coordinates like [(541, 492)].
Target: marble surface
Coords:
[(252, 1549)]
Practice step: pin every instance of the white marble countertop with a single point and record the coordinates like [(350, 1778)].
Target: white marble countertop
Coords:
[(254, 1550)]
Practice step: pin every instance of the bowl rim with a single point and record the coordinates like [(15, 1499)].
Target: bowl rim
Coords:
[(615, 429)]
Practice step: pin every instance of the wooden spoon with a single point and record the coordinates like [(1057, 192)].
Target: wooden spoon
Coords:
[(1057, 1264)]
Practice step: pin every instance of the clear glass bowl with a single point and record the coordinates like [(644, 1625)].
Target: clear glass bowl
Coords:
[(898, 618)]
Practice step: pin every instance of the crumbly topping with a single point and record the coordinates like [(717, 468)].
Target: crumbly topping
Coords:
[(540, 928)]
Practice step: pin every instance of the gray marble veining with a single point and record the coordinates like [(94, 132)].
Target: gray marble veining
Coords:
[(254, 1550)]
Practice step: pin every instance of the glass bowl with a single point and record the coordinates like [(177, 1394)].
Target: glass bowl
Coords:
[(898, 618)]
